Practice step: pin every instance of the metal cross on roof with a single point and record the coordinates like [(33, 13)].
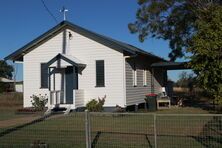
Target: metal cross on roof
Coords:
[(64, 10)]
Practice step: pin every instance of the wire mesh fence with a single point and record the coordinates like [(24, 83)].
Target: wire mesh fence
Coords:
[(121, 130), (189, 130), (56, 131), (117, 130)]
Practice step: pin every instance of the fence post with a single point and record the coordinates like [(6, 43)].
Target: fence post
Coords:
[(154, 130), (87, 129)]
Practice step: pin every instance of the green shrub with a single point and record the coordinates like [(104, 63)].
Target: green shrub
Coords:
[(39, 102), (96, 106)]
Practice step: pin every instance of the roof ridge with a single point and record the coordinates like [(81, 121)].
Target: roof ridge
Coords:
[(107, 41)]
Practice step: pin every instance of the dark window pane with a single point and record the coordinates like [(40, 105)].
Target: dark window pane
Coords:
[(44, 75), (100, 80)]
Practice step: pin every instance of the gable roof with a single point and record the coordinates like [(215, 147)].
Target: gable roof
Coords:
[(112, 43), (68, 58)]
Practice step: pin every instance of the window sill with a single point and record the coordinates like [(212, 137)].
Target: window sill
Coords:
[(43, 88), (100, 86)]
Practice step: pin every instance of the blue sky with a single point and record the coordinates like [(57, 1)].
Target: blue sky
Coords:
[(24, 20)]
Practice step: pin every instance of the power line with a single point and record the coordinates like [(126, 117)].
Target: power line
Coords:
[(50, 13)]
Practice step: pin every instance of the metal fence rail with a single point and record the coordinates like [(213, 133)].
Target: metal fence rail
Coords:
[(59, 131), (132, 130), (122, 130)]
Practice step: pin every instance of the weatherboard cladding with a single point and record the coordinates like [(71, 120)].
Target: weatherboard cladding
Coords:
[(88, 51), (136, 94), (114, 44), (89, 47)]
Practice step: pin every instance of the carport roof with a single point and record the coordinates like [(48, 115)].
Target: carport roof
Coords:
[(171, 65)]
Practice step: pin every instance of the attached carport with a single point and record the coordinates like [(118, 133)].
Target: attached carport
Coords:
[(167, 66)]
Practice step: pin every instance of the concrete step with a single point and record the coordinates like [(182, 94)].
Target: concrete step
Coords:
[(68, 109)]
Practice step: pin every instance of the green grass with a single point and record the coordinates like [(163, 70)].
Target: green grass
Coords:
[(8, 114), (122, 130), (113, 130)]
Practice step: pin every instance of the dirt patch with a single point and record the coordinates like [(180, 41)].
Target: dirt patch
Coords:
[(17, 121)]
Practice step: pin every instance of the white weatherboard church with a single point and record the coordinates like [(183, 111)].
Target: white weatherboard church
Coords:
[(73, 65)]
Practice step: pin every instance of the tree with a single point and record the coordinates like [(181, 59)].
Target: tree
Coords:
[(186, 80), (172, 20), (206, 47), (5, 70), (190, 26)]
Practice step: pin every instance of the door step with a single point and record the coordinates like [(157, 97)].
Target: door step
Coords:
[(48, 111), (68, 110), (58, 110)]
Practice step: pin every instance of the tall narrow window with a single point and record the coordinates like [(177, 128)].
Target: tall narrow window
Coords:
[(100, 73), (134, 76), (44, 76), (144, 77)]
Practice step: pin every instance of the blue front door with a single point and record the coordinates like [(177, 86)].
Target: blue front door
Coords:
[(71, 83)]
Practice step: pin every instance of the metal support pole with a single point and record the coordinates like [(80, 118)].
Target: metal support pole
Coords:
[(87, 129), (152, 81), (154, 130)]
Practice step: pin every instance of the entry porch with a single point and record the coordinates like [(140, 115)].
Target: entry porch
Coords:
[(63, 71)]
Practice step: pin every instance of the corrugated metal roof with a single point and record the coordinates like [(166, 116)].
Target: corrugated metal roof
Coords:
[(5, 80)]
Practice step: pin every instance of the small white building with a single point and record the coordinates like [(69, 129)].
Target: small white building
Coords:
[(11, 85), (19, 86), (73, 65)]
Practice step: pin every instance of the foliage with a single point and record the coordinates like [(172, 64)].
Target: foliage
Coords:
[(5, 70), (186, 80), (119, 109), (39, 102), (193, 27), (206, 47), (172, 20), (96, 106)]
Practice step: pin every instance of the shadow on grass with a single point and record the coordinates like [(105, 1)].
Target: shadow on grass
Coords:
[(206, 140), (19, 127), (211, 134), (97, 136), (96, 139)]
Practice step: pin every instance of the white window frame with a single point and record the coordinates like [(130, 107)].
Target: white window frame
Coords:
[(144, 77), (104, 73), (134, 71)]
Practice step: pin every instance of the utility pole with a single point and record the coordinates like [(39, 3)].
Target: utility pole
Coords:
[(64, 10)]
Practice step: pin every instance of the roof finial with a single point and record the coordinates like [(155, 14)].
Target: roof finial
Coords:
[(64, 10)]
